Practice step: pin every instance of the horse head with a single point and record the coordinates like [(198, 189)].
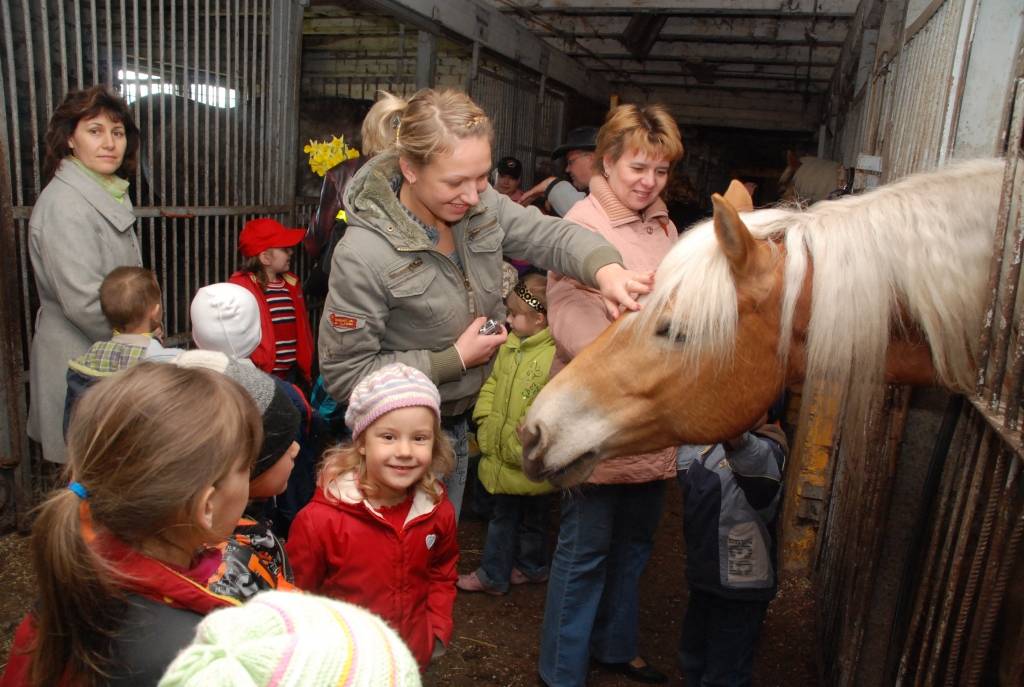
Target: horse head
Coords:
[(898, 277), (700, 362)]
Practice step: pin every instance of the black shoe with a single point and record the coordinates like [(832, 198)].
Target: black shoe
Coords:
[(648, 674)]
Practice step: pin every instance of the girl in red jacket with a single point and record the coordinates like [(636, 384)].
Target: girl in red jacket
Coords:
[(286, 340), (159, 462), (380, 532)]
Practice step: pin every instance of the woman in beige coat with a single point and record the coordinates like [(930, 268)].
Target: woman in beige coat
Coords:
[(80, 230), (607, 529)]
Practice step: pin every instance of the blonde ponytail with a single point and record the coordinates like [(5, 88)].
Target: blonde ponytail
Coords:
[(425, 125), (143, 445)]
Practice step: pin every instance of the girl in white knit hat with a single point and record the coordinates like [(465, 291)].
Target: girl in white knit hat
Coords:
[(380, 531)]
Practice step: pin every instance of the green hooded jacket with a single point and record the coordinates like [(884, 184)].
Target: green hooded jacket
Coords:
[(521, 370)]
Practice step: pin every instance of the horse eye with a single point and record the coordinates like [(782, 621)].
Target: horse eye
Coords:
[(664, 330)]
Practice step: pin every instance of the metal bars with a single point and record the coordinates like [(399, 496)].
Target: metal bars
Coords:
[(213, 89), (952, 624)]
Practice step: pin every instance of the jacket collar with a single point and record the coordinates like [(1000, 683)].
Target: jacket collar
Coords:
[(120, 216), (372, 202), (541, 338), (619, 214), (345, 489)]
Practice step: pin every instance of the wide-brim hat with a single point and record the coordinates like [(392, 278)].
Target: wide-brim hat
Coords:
[(580, 138)]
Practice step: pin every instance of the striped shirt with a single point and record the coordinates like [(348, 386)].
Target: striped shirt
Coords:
[(282, 317)]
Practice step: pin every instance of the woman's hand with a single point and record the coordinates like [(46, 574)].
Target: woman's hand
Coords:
[(535, 192), (620, 288), (475, 348)]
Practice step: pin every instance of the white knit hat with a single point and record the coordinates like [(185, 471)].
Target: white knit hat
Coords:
[(226, 318), (391, 387), (291, 639)]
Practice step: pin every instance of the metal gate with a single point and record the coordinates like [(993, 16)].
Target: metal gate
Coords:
[(213, 88), (922, 539), (522, 129)]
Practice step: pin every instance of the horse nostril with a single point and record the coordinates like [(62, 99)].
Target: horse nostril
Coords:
[(531, 436)]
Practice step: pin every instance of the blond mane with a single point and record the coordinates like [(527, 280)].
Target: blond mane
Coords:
[(914, 253)]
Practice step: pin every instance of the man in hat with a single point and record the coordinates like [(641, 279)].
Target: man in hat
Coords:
[(578, 151), (510, 172)]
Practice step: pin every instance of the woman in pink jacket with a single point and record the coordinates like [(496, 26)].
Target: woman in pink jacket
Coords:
[(607, 529)]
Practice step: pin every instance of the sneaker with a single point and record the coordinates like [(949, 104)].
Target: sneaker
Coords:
[(519, 577), (473, 583)]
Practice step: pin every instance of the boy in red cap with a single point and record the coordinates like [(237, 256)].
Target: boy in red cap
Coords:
[(286, 341)]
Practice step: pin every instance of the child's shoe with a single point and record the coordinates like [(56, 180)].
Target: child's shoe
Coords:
[(519, 577), (473, 583)]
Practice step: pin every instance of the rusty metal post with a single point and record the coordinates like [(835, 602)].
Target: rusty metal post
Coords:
[(15, 468)]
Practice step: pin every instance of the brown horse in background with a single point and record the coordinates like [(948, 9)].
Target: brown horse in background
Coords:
[(885, 286)]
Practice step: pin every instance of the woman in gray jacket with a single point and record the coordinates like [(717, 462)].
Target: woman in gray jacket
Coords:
[(419, 269), (80, 230)]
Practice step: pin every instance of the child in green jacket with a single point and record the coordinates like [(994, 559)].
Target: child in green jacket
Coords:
[(516, 548)]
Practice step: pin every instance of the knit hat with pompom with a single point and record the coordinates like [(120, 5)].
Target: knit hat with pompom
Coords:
[(290, 639), (391, 387)]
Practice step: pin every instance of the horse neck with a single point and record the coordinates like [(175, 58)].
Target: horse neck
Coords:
[(917, 253)]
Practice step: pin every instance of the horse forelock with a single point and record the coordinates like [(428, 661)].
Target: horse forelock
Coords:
[(922, 245)]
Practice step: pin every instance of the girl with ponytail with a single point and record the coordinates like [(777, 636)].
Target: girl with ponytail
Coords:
[(158, 472)]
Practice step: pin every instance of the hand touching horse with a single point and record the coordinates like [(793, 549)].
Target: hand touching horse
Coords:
[(885, 286)]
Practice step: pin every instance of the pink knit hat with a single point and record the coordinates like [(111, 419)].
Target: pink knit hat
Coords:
[(391, 387)]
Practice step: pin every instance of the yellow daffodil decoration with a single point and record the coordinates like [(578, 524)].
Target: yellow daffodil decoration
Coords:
[(325, 154)]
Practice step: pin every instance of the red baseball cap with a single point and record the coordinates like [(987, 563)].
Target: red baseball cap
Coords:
[(260, 234)]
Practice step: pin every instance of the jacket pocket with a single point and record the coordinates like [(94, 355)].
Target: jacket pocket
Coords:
[(410, 287), (484, 245)]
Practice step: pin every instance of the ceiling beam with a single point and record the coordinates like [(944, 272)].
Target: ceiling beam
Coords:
[(687, 85), (628, 62), (778, 29), (700, 51), (719, 75), (820, 8), (471, 21)]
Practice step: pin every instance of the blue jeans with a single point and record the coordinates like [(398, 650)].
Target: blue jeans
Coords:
[(717, 646), (604, 541), (456, 428), (516, 536)]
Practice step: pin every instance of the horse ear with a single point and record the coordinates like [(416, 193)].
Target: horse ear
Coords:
[(733, 236), (739, 197), (792, 160)]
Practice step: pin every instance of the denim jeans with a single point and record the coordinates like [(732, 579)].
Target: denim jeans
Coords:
[(516, 536), (456, 427), (592, 608), (717, 645)]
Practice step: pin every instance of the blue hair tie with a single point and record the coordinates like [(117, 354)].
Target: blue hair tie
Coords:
[(79, 489)]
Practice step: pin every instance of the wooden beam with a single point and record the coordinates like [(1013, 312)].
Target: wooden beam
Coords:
[(497, 33), (426, 59), (739, 7), (779, 29)]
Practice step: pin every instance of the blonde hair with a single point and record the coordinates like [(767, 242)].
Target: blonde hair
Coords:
[(127, 295), (347, 457), (145, 443), (650, 129), (425, 125)]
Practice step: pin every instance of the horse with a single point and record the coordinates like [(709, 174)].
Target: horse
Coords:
[(810, 179), (888, 286)]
